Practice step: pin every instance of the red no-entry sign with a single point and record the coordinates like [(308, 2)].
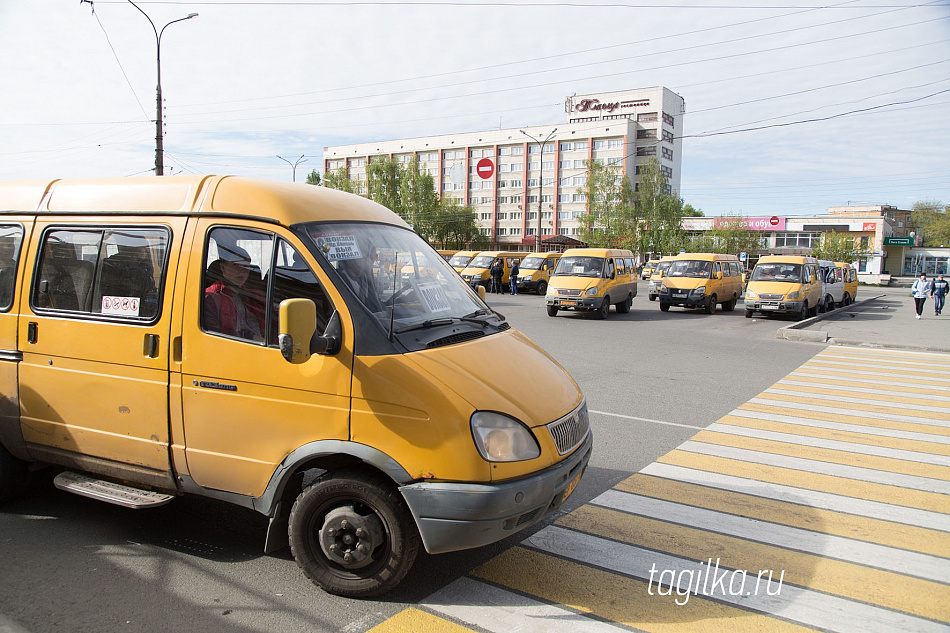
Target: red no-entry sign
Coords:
[(485, 168)]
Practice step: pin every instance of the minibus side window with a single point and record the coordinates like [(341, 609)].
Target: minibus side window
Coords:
[(11, 237), (235, 282), (610, 268), (112, 272), (293, 279)]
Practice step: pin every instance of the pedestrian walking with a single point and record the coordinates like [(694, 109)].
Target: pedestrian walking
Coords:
[(920, 289), (513, 278), (496, 272), (939, 293)]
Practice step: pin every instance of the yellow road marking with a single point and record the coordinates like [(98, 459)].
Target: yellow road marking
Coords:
[(884, 588), (811, 481), (910, 372), (413, 620), (834, 434), (825, 455), (841, 381), (619, 598), (810, 389), (910, 378), (843, 418), (859, 406), (795, 515)]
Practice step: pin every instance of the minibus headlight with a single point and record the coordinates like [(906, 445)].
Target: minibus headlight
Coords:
[(792, 295), (699, 291), (751, 295), (663, 288), (500, 438), (592, 291)]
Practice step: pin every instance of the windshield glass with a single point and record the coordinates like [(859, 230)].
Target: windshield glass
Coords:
[(580, 266), (778, 272), (482, 261), (460, 261), (532, 263), (689, 268), (662, 267), (394, 273)]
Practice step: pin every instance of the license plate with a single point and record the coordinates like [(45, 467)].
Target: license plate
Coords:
[(571, 486), (568, 303), (766, 307), (679, 295)]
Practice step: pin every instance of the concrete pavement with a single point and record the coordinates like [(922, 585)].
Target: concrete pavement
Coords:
[(883, 318)]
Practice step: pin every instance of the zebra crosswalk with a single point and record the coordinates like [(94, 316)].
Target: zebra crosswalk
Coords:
[(822, 503)]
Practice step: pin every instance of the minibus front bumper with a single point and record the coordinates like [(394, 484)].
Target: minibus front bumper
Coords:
[(774, 307), (684, 298), (457, 516), (576, 303)]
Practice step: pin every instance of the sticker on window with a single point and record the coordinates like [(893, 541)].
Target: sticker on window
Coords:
[(433, 295), (121, 306), (337, 246)]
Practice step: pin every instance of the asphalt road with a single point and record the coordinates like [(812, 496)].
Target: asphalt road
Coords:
[(652, 380)]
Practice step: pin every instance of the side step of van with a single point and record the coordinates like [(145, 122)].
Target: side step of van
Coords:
[(110, 492)]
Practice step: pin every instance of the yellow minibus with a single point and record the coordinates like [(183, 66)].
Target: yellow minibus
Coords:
[(535, 271), (784, 284), (591, 280), (701, 280), (254, 342)]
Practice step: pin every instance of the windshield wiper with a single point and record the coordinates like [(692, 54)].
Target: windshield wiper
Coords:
[(426, 324)]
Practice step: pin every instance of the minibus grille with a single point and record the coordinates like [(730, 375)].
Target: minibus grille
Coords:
[(568, 293), (771, 297), (569, 432), (455, 338)]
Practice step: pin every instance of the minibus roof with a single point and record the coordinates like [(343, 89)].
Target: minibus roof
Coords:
[(277, 201)]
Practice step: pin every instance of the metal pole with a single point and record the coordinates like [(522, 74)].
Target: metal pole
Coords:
[(294, 164), (159, 141), (540, 179)]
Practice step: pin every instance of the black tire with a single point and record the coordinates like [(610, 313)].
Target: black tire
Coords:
[(14, 475), (804, 313), (604, 309), (830, 303), (748, 314), (846, 300), (624, 306), (814, 311), (711, 304), (542, 287), (664, 307), (729, 306), (552, 310), (353, 509), (652, 297)]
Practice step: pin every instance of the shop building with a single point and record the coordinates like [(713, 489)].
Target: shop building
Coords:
[(525, 182)]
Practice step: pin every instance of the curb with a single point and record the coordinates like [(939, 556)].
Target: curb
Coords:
[(797, 332)]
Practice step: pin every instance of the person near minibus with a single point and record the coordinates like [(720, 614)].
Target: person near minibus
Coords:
[(939, 293), (513, 278)]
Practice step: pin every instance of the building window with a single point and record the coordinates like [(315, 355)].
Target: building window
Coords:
[(579, 181), (517, 151), (579, 197), (578, 164), (534, 166), (566, 164), (646, 134), (548, 164), (549, 199), (615, 143), (564, 197), (547, 181), (669, 120), (646, 151), (514, 231), (615, 161), (646, 116), (502, 215), (667, 153), (502, 232), (515, 215), (600, 145), (578, 145), (532, 182), (566, 147), (563, 231), (667, 136), (515, 199)]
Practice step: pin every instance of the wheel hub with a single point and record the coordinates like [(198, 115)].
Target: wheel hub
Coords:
[(348, 538)]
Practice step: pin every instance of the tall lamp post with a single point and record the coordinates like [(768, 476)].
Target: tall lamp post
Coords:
[(159, 147), (294, 164), (540, 177)]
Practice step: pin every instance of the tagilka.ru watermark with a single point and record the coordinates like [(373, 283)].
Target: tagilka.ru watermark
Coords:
[(709, 580)]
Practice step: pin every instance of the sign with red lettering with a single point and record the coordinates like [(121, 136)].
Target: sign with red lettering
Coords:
[(485, 168), (869, 226)]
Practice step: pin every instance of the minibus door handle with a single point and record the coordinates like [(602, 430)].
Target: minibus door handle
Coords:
[(31, 329), (150, 349)]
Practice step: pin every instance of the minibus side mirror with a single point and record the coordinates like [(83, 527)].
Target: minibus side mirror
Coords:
[(812, 279), (719, 275), (297, 331), (481, 292)]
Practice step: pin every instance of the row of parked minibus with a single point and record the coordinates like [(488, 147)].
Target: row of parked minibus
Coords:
[(579, 279), (779, 284)]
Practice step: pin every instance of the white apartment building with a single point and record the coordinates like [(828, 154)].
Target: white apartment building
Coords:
[(526, 181)]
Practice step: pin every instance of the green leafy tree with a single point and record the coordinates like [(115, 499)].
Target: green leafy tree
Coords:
[(690, 212), (383, 175), (418, 200), (454, 225), (838, 247), (609, 220), (313, 178), (338, 179), (658, 212), (732, 235), (932, 219)]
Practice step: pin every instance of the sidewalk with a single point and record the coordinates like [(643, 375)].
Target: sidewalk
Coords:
[(882, 317)]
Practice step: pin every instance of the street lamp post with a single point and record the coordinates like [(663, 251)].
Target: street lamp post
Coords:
[(540, 177), (294, 164), (159, 146)]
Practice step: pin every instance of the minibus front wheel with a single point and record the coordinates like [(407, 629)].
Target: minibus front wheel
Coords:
[(352, 534), (14, 475)]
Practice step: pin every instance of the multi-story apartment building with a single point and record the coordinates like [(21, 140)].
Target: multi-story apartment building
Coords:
[(528, 181)]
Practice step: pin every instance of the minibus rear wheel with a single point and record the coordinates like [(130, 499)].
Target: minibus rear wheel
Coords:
[(352, 534), (14, 475), (542, 287)]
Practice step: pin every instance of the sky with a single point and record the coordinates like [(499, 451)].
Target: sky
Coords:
[(792, 106)]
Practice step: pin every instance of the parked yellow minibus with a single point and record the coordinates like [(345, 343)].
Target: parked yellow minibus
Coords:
[(254, 342), (591, 280)]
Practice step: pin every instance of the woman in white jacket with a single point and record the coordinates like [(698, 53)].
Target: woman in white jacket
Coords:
[(921, 287)]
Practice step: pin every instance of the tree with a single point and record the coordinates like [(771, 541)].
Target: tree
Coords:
[(383, 174), (418, 198), (731, 234), (454, 225), (690, 212), (338, 179), (659, 212), (932, 220), (838, 247), (608, 221), (313, 178)]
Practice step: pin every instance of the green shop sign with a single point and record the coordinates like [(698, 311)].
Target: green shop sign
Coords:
[(898, 241)]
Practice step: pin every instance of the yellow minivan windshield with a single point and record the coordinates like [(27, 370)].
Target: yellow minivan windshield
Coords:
[(580, 266), (395, 274), (789, 273)]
